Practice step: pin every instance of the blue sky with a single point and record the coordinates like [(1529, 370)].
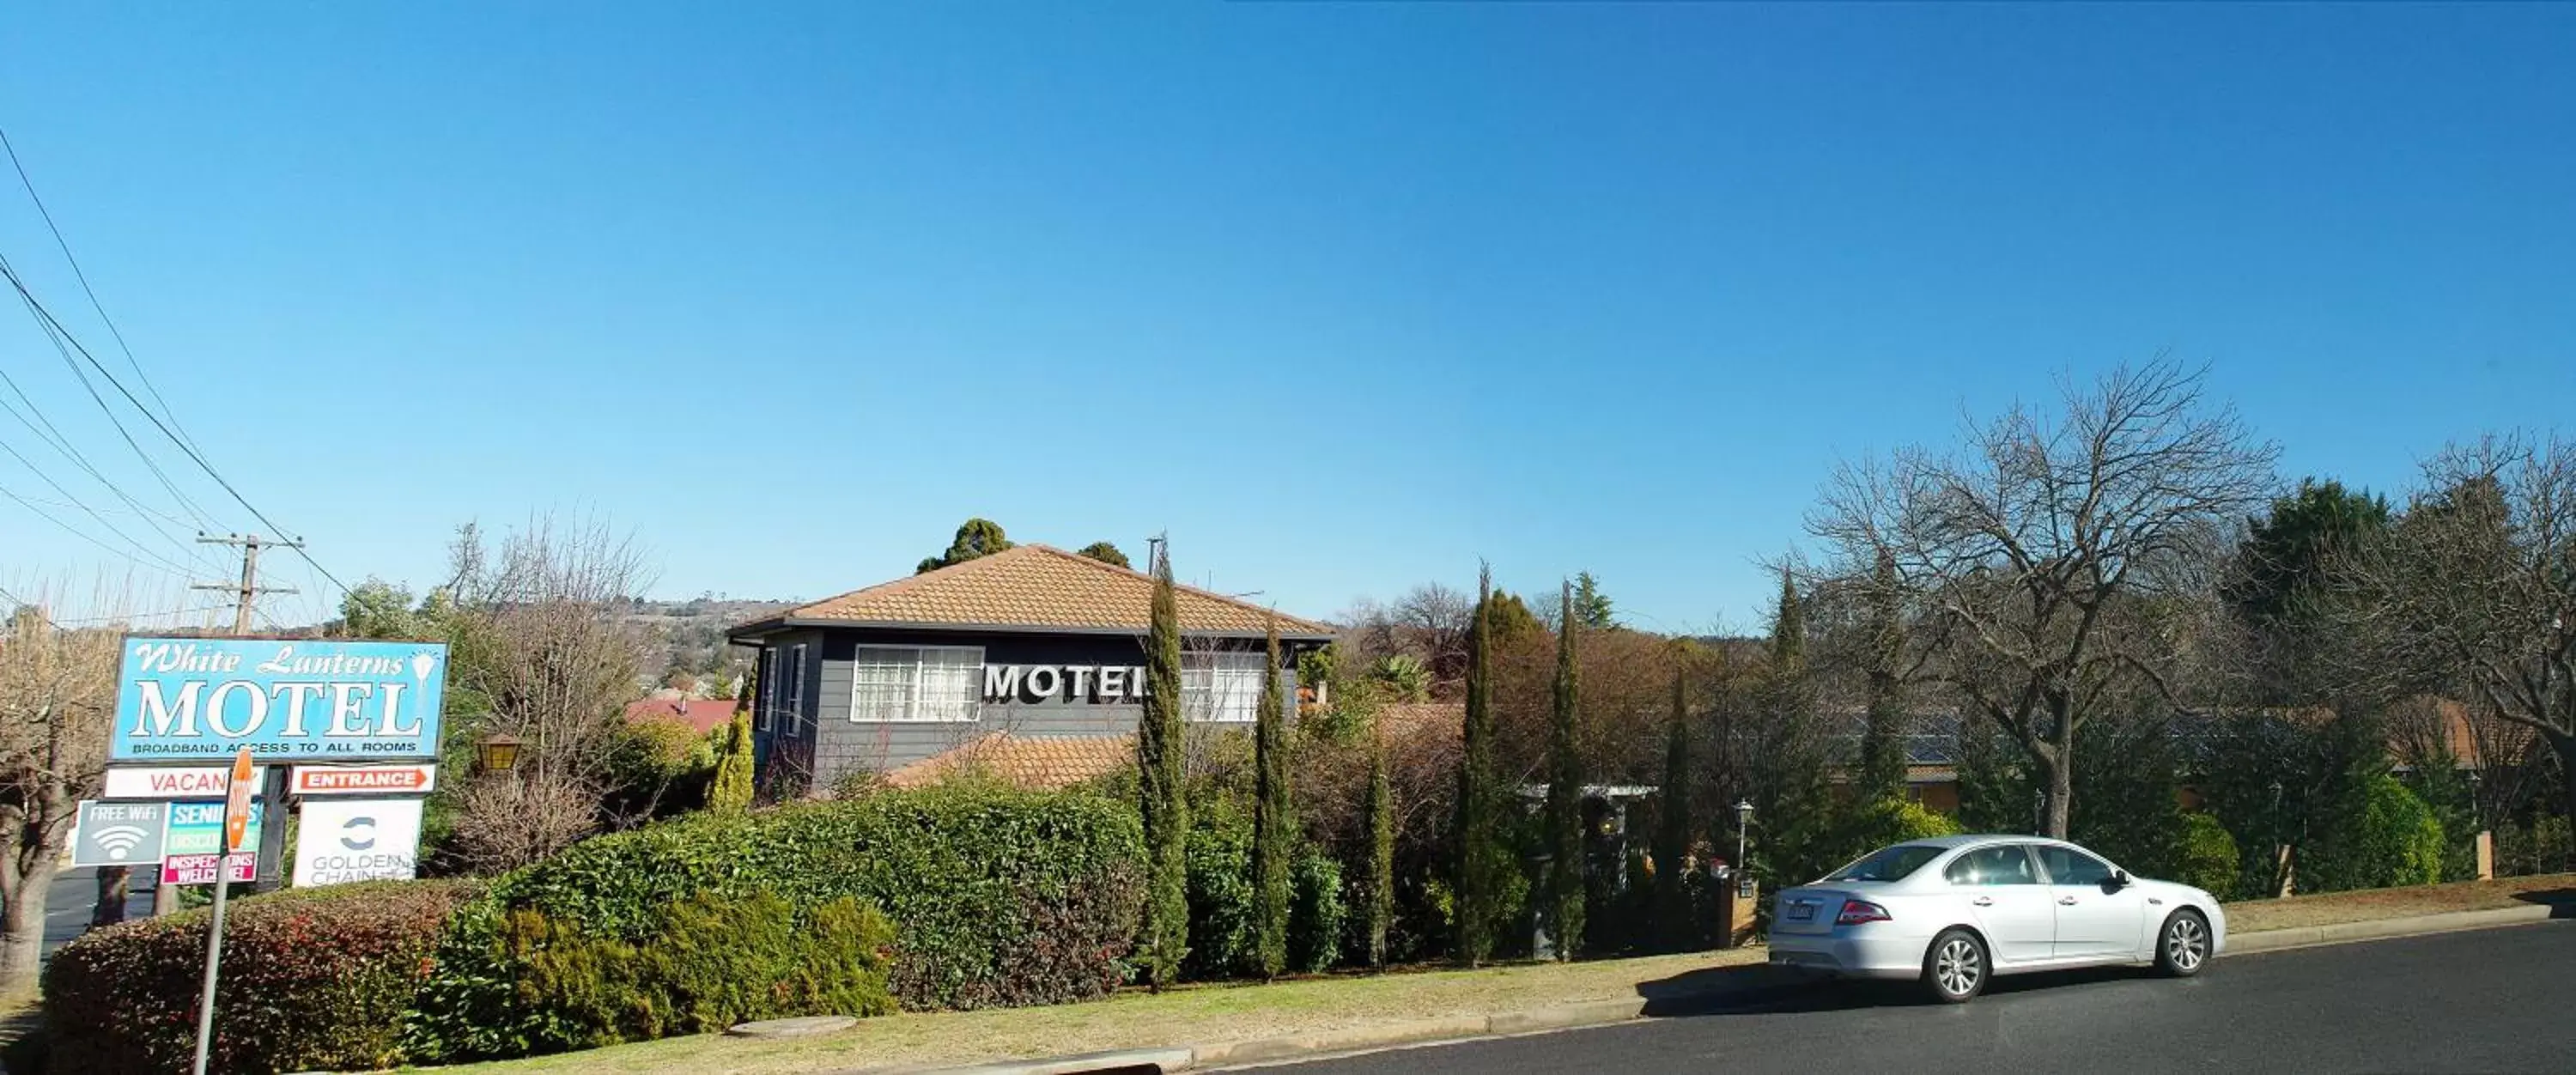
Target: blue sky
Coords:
[(1343, 296)]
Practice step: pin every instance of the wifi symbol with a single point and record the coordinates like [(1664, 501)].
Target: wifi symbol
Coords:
[(117, 840)]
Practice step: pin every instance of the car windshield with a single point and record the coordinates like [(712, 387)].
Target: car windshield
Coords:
[(1887, 864)]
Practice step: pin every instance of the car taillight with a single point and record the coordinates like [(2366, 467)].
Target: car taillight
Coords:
[(1856, 912)]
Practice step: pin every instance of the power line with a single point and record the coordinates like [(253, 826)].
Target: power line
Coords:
[(77, 532), (65, 335), (56, 334), (76, 502), (79, 274)]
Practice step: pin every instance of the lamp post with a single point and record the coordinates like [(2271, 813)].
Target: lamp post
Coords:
[(498, 752), (1743, 820)]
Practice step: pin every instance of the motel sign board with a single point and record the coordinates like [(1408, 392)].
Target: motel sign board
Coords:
[(202, 699)]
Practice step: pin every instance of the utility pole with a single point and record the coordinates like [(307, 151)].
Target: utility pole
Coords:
[(272, 833), (246, 593)]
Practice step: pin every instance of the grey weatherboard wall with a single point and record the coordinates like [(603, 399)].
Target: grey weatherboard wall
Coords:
[(838, 747)]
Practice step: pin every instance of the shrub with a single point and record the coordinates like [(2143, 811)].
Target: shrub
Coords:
[(708, 964), (1220, 892), (312, 978), (1316, 914), (2401, 840), (2207, 856), (1221, 895), (998, 898)]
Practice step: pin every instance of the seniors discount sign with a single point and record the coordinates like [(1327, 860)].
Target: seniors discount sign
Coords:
[(196, 699)]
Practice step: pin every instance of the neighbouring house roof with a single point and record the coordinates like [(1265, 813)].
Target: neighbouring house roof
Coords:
[(1039, 762), (1033, 586), (701, 714)]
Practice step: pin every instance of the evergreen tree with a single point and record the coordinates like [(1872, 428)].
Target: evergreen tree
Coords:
[(1377, 897), (1565, 793), (731, 791), (1673, 820), (1882, 756), (976, 538), (1785, 769), (1164, 936), (1481, 855), (1274, 824), (1592, 607), (1105, 553)]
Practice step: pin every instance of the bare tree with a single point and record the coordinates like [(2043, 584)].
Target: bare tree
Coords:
[(57, 699), (543, 644), (2475, 590), (2048, 555), (1436, 619)]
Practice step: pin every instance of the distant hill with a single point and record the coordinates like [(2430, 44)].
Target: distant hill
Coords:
[(692, 638)]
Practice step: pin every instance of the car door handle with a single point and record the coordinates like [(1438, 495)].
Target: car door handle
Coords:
[(1983, 901), (2066, 901)]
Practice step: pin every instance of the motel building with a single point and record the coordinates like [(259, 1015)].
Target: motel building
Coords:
[(1028, 663)]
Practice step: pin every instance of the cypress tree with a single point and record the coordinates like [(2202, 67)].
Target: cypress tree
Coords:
[(1479, 846), (1673, 820), (1882, 761), (731, 792), (1274, 823), (1164, 935), (1377, 900), (734, 779), (1565, 794)]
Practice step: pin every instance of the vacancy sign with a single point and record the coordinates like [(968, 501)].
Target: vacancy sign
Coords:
[(312, 780), (174, 782), (343, 840)]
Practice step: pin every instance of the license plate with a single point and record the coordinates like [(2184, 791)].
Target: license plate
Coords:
[(1801, 911)]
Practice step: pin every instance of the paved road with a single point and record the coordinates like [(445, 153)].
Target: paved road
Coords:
[(68, 902), (2493, 1000)]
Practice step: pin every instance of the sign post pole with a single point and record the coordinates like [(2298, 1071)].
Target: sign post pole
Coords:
[(236, 819)]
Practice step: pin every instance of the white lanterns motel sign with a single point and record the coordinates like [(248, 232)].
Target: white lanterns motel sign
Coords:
[(1107, 684)]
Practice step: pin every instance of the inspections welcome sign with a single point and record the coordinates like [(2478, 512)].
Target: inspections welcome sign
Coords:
[(195, 699)]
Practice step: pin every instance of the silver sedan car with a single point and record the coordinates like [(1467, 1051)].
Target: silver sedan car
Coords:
[(1954, 912)]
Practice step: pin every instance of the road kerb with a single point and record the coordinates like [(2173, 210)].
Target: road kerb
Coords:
[(2274, 940)]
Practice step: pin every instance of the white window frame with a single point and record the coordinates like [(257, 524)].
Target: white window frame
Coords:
[(795, 688), (1222, 686), (765, 707), (968, 708)]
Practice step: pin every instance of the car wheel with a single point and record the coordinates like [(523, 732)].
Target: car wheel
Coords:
[(1956, 968), (2182, 949)]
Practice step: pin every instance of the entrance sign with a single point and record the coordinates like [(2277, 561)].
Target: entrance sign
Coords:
[(364, 779), (243, 866), (343, 840), (166, 783), (119, 834), (201, 699)]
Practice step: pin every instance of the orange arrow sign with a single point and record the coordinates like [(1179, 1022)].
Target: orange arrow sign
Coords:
[(237, 800)]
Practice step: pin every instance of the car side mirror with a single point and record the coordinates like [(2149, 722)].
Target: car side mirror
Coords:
[(2118, 880)]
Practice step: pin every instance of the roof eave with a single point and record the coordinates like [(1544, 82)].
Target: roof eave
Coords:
[(773, 625)]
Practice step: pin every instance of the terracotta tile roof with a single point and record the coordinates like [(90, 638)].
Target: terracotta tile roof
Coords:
[(1045, 587), (701, 715), (1401, 720), (1030, 762)]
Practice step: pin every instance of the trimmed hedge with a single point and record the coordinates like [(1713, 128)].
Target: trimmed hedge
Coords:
[(998, 898), (709, 963), (2208, 856), (312, 978)]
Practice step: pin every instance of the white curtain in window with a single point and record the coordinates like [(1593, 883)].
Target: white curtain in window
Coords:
[(952, 684), (890, 683), (881, 683), (1221, 686)]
